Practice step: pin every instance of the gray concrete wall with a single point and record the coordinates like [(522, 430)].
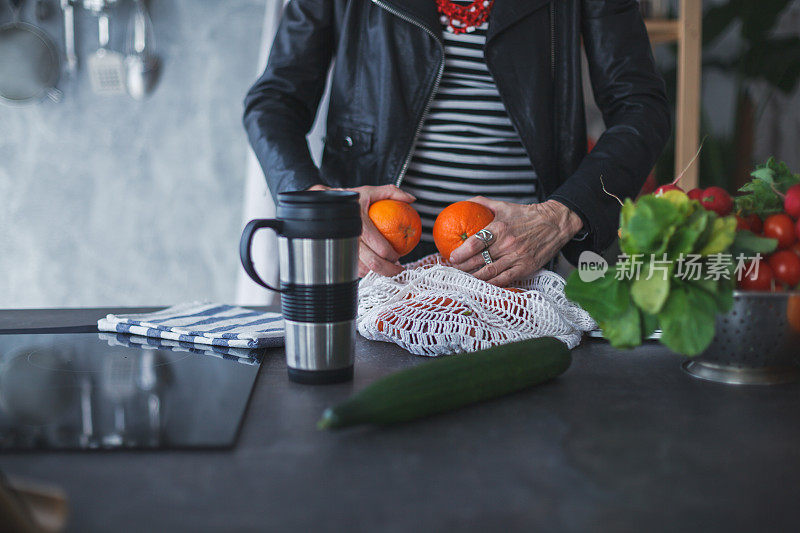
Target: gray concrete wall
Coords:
[(105, 200)]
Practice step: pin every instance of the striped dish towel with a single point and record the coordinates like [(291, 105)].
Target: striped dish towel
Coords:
[(247, 356), (202, 323)]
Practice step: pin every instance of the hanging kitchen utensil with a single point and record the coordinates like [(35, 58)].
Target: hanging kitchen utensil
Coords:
[(44, 10), (106, 68), (68, 11), (29, 63), (96, 6), (141, 62)]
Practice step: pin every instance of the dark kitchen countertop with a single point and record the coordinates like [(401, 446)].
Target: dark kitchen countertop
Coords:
[(623, 441)]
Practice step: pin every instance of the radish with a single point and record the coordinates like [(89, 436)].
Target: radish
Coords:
[(791, 201), (668, 187), (718, 200), (695, 194)]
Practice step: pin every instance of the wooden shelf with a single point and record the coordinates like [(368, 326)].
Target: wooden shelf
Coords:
[(686, 31), (663, 30)]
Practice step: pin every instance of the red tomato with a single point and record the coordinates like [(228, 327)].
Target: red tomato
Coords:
[(785, 267), (797, 229), (756, 226), (752, 281), (795, 248), (780, 227), (742, 223)]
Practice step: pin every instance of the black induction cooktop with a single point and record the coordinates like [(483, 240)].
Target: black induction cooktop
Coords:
[(91, 391)]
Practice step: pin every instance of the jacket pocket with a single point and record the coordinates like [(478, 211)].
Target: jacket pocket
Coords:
[(348, 159), (349, 140)]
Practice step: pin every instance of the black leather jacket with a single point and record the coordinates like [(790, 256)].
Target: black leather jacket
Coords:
[(388, 60)]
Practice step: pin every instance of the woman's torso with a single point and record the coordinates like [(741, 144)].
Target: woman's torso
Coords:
[(468, 145)]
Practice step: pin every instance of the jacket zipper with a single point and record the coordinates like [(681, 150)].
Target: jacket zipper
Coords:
[(552, 41), (432, 95)]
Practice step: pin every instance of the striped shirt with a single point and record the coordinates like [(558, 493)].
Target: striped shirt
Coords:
[(468, 145)]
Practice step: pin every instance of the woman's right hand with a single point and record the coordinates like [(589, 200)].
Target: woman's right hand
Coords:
[(374, 251)]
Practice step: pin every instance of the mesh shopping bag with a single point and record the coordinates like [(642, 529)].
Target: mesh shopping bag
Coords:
[(434, 309)]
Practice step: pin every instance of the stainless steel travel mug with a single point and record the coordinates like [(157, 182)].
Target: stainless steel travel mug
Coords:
[(318, 253)]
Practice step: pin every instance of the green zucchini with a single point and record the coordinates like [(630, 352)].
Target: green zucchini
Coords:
[(451, 382)]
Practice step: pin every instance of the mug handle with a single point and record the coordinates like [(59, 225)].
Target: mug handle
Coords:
[(246, 243)]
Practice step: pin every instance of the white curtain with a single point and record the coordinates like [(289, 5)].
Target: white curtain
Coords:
[(257, 200)]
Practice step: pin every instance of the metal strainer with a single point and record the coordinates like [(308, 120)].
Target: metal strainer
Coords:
[(756, 343), (29, 62)]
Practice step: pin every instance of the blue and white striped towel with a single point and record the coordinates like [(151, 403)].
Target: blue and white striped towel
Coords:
[(247, 356), (203, 323)]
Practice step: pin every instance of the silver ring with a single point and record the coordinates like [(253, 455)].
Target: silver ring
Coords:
[(485, 236), (486, 257)]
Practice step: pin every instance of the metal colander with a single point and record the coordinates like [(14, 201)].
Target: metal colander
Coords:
[(756, 343)]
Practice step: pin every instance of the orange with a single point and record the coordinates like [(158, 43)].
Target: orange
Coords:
[(457, 222), (398, 222), (396, 319)]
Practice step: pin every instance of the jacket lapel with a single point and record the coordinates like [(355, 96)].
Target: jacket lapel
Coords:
[(504, 12), (420, 11), (507, 12)]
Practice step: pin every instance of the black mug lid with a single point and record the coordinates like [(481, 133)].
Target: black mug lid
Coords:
[(317, 197), (323, 214)]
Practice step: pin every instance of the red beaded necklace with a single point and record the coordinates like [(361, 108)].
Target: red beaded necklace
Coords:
[(461, 18)]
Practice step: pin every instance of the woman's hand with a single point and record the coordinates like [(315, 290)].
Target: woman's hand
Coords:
[(374, 251), (525, 238)]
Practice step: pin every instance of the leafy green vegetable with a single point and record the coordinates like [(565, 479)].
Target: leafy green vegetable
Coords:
[(688, 320), (648, 225), (748, 243), (610, 301), (666, 239), (602, 297), (724, 295), (623, 331), (686, 236), (650, 289), (723, 232), (649, 324), (761, 193)]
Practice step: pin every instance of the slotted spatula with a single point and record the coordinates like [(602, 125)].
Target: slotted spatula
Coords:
[(106, 67)]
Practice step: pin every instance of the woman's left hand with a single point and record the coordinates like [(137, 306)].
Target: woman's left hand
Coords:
[(526, 237)]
